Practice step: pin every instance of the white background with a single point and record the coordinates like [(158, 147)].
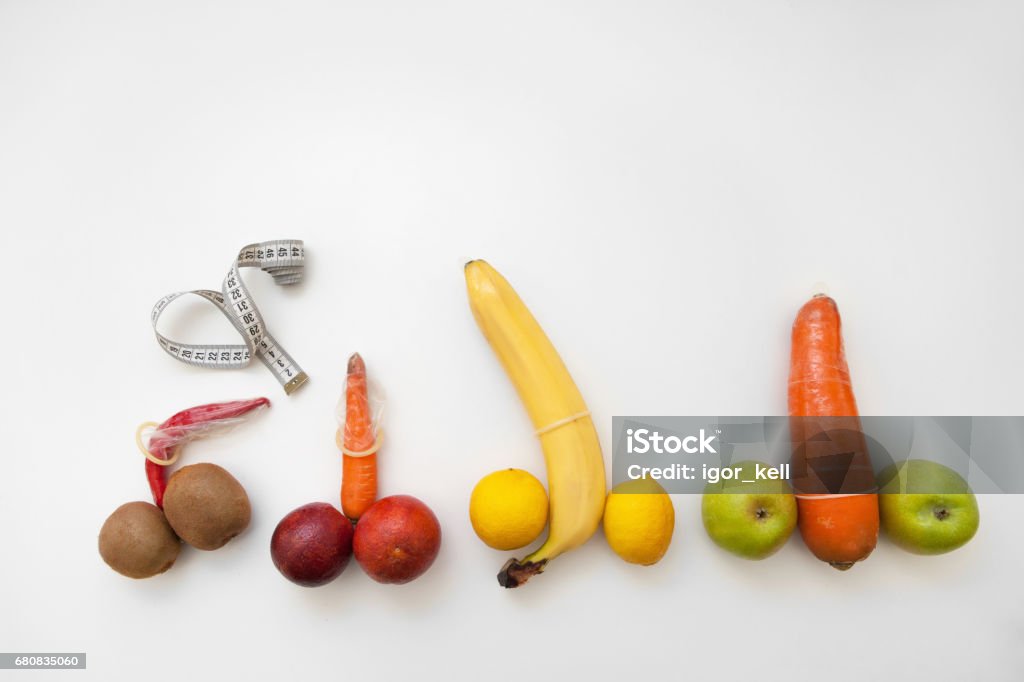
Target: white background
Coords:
[(663, 182)]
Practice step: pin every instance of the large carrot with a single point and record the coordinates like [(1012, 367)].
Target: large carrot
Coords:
[(358, 442), (839, 526)]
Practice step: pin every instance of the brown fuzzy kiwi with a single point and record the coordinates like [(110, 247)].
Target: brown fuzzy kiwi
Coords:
[(136, 541), (206, 506)]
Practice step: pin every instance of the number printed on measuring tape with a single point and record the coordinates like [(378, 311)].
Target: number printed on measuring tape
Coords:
[(283, 260)]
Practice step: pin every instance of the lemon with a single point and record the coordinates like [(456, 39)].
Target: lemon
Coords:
[(508, 509), (638, 521)]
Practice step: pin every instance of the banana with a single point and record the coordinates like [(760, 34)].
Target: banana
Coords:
[(575, 466)]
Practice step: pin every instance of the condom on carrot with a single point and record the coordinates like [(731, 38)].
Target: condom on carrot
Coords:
[(836, 496), (359, 437)]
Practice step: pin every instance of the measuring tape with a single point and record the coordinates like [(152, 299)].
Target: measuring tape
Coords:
[(284, 260)]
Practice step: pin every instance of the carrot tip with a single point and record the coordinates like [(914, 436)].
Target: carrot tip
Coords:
[(820, 289), (356, 364)]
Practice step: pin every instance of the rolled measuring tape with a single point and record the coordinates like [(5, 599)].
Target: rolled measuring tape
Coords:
[(284, 260)]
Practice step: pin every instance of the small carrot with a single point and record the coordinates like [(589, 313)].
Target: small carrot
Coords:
[(359, 471), (840, 528)]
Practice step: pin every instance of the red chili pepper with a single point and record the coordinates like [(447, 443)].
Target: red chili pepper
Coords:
[(181, 428)]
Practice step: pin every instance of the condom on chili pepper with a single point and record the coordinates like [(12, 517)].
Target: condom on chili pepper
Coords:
[(208, 506)]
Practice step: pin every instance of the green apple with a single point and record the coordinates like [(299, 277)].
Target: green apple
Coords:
[(927, 508), (751, 520)]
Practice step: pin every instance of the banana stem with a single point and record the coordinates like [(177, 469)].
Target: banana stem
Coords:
[(514, 573)]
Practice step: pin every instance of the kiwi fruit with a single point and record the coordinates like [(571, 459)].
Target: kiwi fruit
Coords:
[(206, 506), (136, 541)]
